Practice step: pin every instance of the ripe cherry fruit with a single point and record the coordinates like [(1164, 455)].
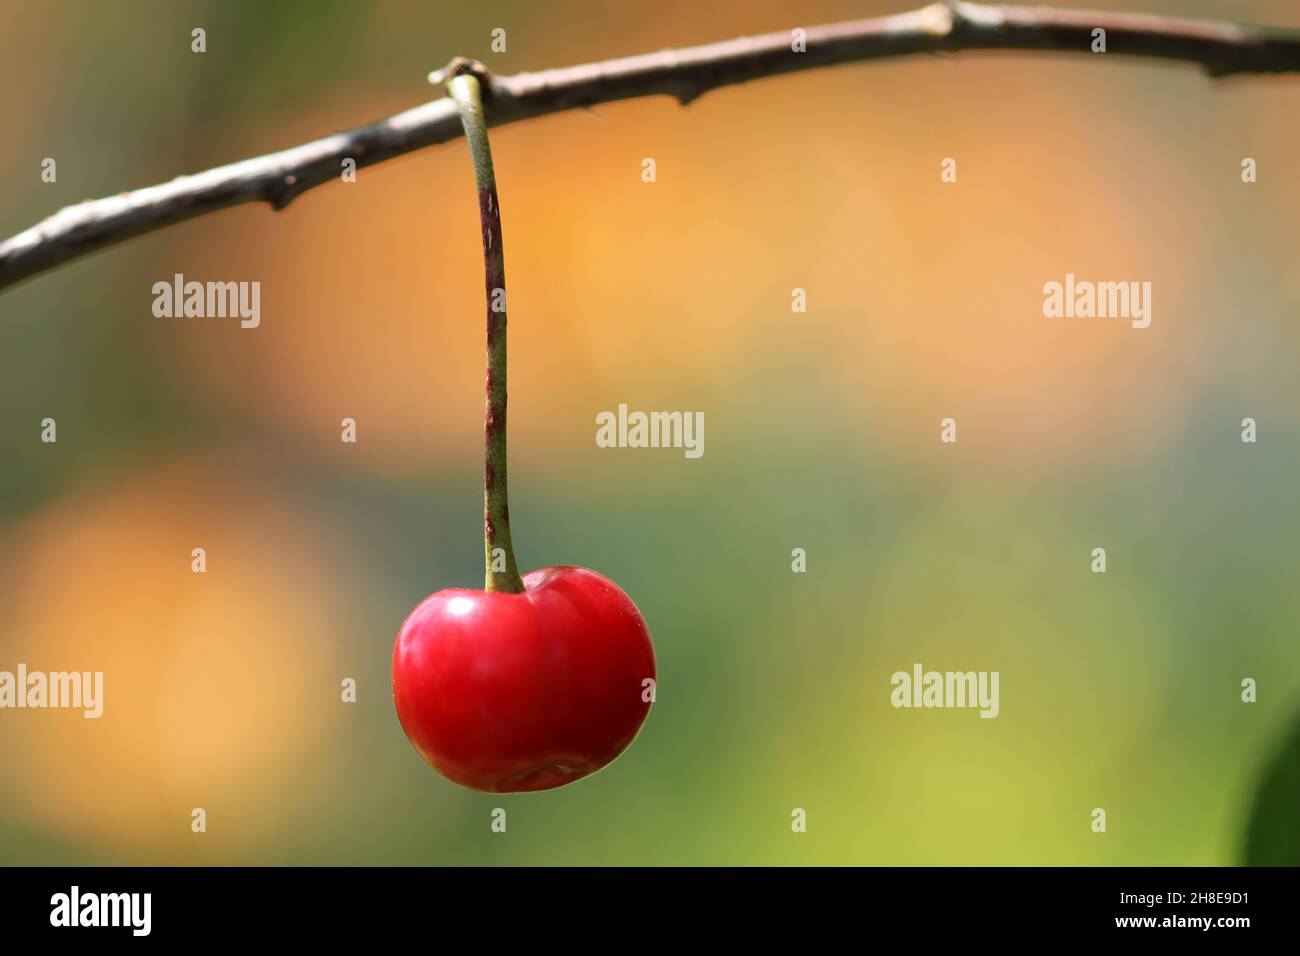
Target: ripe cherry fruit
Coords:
[(508, 692), (533, 682)]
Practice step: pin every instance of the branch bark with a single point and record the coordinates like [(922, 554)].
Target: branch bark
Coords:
[(1222, 49)]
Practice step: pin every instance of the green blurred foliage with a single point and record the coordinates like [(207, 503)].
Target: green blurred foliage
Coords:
[(1273, 829)]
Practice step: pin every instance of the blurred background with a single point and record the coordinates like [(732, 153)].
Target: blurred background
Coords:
[(1119, 691)]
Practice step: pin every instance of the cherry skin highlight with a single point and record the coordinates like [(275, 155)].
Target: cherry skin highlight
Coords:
[(505, 693)]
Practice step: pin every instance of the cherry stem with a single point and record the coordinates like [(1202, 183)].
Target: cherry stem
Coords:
[(502, 573)]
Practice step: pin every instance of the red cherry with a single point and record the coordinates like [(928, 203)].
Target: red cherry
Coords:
[(506, 692)]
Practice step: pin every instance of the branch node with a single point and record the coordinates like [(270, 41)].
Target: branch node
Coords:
[(282, 191), (458, 66), (688, 94)]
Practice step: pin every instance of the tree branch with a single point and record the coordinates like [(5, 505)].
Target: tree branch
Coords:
[(277, 178)]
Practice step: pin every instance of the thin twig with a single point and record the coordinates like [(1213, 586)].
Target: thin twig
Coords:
[(1221, 49)]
